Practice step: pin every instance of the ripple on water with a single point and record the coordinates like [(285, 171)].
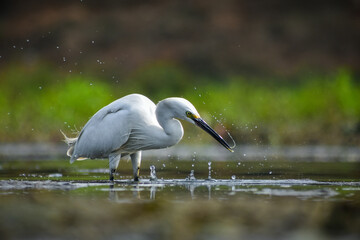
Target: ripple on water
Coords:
[(300, 188)]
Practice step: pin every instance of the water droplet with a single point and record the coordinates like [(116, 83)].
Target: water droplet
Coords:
[(91, 84), (270, 172), (239, 163), (209, 164), (164, 165), (233, 177), (14, 46), (244, 154), (27, 40), (57, 47), (40, 87), (64, 59), (93, 42)]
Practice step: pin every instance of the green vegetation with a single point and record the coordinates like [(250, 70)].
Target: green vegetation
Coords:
[(37, 101)]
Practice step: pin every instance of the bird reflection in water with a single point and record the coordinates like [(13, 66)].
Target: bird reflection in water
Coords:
[(146, 192)]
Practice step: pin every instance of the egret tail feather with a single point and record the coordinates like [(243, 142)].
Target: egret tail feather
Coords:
[(71, 143)]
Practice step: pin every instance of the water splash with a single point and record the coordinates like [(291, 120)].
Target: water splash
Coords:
[(227, 132), (153, 173), (191, 177), (193, 164), (232, 139), (209, 164)]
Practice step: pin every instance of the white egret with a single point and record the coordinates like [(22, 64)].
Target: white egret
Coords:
[(132, 124)]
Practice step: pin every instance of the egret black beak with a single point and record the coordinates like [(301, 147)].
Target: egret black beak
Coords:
[(202, 124)]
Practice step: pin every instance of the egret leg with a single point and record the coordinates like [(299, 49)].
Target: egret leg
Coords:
[(136, 161), (114, 160)]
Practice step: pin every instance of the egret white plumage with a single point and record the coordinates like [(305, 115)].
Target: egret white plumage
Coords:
[(132, 124)]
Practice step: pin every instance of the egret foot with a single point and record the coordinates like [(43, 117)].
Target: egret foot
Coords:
[(112, 172), (136, 162), (114, 160), (136, 175)]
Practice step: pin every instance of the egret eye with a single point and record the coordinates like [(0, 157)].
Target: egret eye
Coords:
[(189, 114)]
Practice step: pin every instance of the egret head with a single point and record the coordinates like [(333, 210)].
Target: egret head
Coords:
[(184, 110)]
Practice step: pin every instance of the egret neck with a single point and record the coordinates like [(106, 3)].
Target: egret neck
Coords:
[(173, 130)]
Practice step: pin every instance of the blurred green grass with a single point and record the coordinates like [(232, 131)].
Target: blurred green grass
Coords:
[(39, 100)]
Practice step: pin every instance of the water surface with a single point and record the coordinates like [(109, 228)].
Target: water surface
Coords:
[(181, 199)]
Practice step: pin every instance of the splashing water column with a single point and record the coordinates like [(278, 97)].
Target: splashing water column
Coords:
[(153, 173), (191, 177), (209, 167)]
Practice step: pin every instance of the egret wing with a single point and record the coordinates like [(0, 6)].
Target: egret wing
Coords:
[(104, 133)]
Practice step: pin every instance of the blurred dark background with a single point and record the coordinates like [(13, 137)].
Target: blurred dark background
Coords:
[(205, 37), (279, 72)]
